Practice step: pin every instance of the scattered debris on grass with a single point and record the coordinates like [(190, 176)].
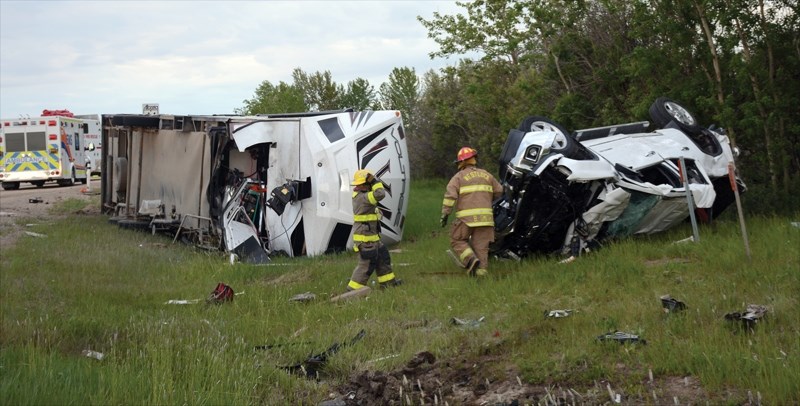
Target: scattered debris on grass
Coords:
[(621, 337), (37, 235), (750, 317), (182, 302), (672, 305), (36, 200), (221, 294), (303, 297), (93, 354), (311, 366), (557, 314), (466, 323)]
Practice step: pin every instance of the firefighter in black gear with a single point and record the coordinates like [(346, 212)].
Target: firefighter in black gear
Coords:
[(373, 255)]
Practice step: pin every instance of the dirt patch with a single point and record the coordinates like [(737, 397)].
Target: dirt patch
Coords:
[(426, 380), (475, 380)]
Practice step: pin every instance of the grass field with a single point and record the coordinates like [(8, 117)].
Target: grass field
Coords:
[(89, 285)]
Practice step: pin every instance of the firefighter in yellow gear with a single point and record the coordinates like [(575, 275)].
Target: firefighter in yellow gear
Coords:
[(470, 194), (373, 255)]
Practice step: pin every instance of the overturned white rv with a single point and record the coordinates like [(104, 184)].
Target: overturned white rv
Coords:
[(253, 185)]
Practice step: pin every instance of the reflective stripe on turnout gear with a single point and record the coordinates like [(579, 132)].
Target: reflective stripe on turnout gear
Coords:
[(355, 285), (386, 278), (466, 254), (363, 218), (473, 212), (475, 188), (448, 202)]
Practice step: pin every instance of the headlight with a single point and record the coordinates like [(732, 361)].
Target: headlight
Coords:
[(532, 153)]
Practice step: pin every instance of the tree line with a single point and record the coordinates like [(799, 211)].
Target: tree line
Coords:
[(587, 63)]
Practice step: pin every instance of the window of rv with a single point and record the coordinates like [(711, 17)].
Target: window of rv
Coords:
[(37, 141), (15, 142)]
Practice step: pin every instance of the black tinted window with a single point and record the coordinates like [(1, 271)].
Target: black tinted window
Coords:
[(37, 141), (15, 142)]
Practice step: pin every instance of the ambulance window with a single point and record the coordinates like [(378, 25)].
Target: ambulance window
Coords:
[(15, 142), (37, 141)]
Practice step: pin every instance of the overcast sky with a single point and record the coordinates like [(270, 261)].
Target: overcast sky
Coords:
[(191, 57)]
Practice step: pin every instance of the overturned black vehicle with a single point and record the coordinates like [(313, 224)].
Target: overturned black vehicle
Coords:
[(567, 192)]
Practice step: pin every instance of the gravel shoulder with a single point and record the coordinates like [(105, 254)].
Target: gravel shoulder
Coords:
[(30, 204)]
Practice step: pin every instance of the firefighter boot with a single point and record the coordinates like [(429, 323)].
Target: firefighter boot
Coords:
[(392, 283), (473, 267)]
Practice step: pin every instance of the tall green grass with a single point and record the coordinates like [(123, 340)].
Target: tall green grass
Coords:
[(92, 286)]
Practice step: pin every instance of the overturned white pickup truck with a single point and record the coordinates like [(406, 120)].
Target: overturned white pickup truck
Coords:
[(253, 185)]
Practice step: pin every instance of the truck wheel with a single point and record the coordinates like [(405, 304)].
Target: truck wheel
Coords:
[(68, 182), (10, 185), (564, 143), (665, 110)]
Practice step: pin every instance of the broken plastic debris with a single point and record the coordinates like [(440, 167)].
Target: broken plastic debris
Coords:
[(558, 313), (303, 297), (671, 305), (35, 200), (795, 224), (182, 302), (567, 260), (37, 235), (621, 338), (467, 323), (93, 354), (752, 315)]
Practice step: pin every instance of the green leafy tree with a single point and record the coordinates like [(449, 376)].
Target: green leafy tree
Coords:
[(402, 92), (268, 98), (359, 95), (320, 92)]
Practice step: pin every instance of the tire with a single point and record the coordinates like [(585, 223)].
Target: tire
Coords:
[(665, 111), (10, 185), (70, 181), (564, 143), (38, 183)]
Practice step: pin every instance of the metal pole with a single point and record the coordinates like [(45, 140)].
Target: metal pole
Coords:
[(735, 189), (689, 199)]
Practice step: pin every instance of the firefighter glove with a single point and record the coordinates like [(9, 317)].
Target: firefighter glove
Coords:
[(443, 220)]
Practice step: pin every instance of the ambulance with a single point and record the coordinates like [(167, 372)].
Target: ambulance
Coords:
[(52, 147)]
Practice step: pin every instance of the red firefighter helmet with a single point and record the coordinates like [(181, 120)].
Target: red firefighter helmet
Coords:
[(466, 153)]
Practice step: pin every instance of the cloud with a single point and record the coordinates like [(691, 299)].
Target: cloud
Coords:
[(197, 57)]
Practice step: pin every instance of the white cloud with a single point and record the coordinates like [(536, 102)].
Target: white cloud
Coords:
[(197, 57)]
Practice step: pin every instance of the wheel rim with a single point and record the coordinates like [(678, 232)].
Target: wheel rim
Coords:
[(560, 141), (679, 113)]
